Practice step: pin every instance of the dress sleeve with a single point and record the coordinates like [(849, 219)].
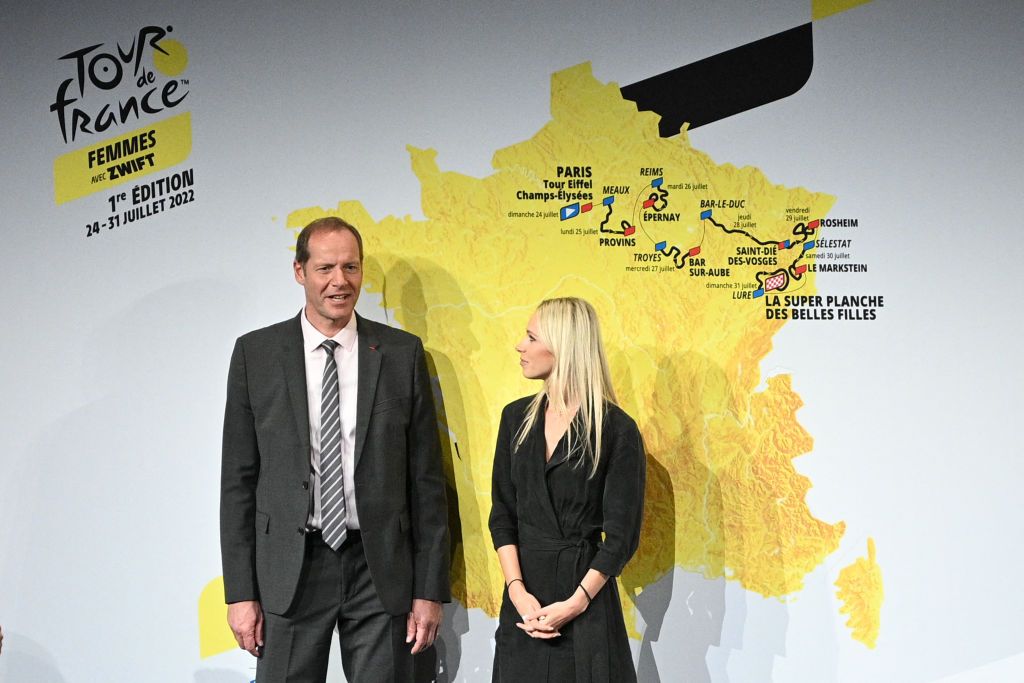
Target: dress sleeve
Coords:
[(503, 522), (623, 502)]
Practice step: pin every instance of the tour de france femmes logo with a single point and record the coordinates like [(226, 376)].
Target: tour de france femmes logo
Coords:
[(110, 89), (85, 103)]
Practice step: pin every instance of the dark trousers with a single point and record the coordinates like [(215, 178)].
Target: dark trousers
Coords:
[(335, 591)]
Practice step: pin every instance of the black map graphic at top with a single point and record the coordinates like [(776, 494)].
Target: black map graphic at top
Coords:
[(728, 83)]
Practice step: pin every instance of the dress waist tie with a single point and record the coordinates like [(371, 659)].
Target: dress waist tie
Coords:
[(590, 629)]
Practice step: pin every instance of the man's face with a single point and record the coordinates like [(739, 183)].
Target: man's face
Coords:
[(331, 277)]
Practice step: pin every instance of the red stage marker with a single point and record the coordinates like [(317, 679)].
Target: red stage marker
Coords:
[(800, 269), (695, 251), (586, 207), (649, 203), (813, 225)]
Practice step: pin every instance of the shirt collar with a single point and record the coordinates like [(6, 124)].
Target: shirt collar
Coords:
[(312, 338)]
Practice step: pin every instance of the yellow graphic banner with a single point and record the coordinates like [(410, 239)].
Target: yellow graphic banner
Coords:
[(826, 8), (124, 158), (215, 636)]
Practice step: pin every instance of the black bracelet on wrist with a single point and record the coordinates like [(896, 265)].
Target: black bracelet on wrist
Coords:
[(589, 599), (509, 584)]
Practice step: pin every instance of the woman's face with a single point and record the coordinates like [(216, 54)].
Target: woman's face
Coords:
[(536, 359)]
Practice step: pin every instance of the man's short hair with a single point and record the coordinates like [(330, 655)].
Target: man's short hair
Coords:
[(325, 224)]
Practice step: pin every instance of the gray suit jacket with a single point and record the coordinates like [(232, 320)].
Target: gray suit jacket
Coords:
[(266, 477)]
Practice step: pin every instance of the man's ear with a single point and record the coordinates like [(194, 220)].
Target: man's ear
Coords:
[(300, 274)]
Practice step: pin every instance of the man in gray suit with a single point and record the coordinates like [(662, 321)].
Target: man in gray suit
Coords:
[(333, 510)]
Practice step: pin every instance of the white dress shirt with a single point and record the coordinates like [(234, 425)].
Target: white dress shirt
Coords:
[(346, 356)]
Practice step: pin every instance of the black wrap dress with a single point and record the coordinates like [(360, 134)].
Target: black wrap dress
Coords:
[(564, 524)]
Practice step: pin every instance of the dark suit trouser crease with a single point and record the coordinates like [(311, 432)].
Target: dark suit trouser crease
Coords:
[(335, 591)]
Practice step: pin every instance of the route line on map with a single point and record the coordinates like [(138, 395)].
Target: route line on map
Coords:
[(658, 197), (625, 227), (778, 279), (657, 200)]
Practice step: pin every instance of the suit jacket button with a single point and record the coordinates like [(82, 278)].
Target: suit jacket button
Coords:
[(305, 485), (301, 529)]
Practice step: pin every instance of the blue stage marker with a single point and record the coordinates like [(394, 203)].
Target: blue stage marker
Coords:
[(704, 215), (609, 200), (758, 293), (570, 211), (809, 245), (657, 182), (660, 246)]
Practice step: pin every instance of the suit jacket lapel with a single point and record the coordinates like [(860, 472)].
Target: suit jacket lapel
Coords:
[(293, 361), (369, 361)]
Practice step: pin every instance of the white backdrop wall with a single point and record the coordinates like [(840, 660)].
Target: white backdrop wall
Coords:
[(115, 347)]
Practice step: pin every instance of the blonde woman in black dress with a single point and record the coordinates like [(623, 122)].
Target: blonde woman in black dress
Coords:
[(567, 503)]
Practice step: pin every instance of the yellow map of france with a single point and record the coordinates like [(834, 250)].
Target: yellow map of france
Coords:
[(674, 251)]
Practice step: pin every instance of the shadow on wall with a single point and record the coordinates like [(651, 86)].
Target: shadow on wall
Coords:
[(698, 500), (27, 660), (729, 537), (403, 292), (755, 635), (683, 522)]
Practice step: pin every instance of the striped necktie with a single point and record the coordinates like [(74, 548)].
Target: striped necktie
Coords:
[(332, 493)]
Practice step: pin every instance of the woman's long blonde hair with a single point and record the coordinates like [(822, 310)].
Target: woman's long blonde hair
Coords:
[(568, 327)]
